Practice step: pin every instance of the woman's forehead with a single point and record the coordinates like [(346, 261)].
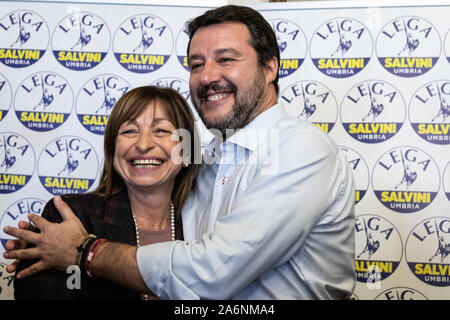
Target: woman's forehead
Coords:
[(155, 110)]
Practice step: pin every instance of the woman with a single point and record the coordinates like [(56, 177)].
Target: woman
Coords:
[(143, 186)]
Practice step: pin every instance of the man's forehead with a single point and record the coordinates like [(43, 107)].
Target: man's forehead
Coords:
[(223, 35)]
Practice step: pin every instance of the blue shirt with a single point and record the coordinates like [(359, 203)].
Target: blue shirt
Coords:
[(271, 217)]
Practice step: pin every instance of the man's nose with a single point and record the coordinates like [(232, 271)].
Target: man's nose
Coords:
[(210, 73)]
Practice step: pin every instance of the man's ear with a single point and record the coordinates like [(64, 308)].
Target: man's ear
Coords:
[(271, 69)]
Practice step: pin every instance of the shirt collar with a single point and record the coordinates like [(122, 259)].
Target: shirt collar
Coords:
[(247, 137)]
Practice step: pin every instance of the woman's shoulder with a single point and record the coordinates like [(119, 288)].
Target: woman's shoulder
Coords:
[(81, 204), (86, 199)]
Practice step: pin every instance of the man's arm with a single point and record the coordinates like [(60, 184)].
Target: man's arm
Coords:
[(258, 234), (56, 249), (307, 204), (117, 262)]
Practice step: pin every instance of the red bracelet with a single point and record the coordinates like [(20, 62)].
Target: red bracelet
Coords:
[(90, 256)]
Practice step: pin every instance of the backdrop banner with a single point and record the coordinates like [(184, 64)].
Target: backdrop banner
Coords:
[(374, 76)]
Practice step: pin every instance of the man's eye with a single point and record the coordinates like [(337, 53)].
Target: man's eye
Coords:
[(195, 66), (225, 60)]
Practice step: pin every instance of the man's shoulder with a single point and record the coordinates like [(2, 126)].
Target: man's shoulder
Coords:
[(303, 134)]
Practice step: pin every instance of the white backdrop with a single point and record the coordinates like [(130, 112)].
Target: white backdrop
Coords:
[(374, 78)]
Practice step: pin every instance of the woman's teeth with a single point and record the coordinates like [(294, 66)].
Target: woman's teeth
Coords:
[(147, 163)]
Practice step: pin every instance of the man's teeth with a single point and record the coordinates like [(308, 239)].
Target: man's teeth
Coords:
[(147, 163), (216, 97)]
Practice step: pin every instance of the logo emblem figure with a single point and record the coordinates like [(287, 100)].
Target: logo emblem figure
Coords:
[(71, 163), (308, 107), (443, 247), (23, 37), (444, 109), (411, 42), (83, 40), (146, 39), (109, 100), (47, 97), (344, 44), (409, 176), (375, 107), (9, 159), (372, 245)]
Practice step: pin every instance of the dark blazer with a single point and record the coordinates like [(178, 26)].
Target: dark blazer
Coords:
[(106, 218)]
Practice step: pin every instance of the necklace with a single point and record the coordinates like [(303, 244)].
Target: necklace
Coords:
[(172, 232), (172, 225)]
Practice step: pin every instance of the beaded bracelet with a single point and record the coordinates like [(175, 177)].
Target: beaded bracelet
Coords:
[(82, 246), (86, 249), (90, 256)]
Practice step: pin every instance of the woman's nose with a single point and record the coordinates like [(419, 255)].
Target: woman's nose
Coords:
[(145, 142)]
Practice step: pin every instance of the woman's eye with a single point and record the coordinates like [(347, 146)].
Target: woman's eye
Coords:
[(161, 130), (128, 131)]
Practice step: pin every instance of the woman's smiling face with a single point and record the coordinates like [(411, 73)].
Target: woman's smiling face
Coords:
[(143, 151)]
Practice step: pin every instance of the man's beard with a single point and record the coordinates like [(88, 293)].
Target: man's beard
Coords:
[(243, 109)]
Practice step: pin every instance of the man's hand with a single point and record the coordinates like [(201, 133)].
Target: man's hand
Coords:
[(16, 245), (56, 245)]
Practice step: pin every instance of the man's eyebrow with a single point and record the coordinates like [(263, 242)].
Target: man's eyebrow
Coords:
[(217, 53), (227, 50)]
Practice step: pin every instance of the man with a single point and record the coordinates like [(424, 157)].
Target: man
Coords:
[(266, 220)]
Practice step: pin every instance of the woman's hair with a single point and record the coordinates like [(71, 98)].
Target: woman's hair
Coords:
[(128, 108), (262, 36)]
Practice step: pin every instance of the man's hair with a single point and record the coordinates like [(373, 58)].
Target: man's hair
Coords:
[(262, 36)]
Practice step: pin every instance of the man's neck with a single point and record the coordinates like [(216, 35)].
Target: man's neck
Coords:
[(267, 102)]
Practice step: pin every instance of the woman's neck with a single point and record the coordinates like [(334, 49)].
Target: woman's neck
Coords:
[(151, 210)]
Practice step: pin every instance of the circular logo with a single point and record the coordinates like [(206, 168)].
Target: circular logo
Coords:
[(408, 46), (429, 112), (427, 250), (43, 101), (373, 111), (446, 180), (17, 162), (341, 47), (6, 283), (17, 212), (405, 179), (5, 97), (378, 248), (68, 164), (24, 37), (311, 101), (401, 293), (143, 43), (447, 45), (96, 99), (181, 48), (292, 44), (360, 172), (81, 41)]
